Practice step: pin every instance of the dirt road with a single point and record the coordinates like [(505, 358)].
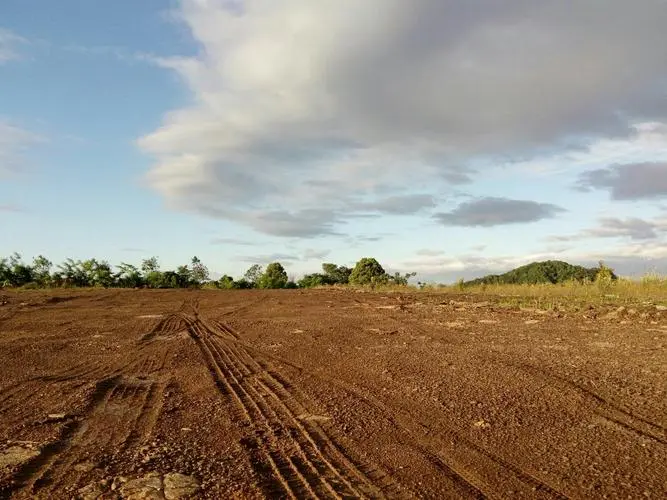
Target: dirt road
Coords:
[(327, 394)]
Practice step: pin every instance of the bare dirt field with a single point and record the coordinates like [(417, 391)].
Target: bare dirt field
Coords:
[(331, 394)]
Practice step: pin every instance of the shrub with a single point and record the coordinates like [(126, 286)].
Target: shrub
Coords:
[(368, 271), (274, 276)]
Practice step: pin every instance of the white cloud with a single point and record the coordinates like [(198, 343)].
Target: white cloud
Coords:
[(626, 259), (9, 43), (303, 110), (14, 142)]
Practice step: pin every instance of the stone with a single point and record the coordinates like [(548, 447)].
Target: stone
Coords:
[(482, 424), (177, 486), (93, 491), (16, 455), (144, 488), (171, 486)]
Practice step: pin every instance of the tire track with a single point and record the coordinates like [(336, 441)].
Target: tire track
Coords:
[(385, 484), (604, 408), (318, 465), (412, 430), (296, 460), (65, 382), (312, 464), (168, 325), (290, 408), (26, 477), (290, 474), (121, 412), (249, 414)]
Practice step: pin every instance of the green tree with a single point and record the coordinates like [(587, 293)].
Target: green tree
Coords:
[(150, 265), (336, 275), (368, 271), (253, 275), (5, 273), (70, 273), (15, 272), (226, 283), (275, 276), (312, 280), (41, 270), (401, 279), (129, 276), (97, 273), (155, 279), (199, 272), (184, 276)]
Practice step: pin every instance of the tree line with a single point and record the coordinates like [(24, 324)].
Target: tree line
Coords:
[(41, 273)]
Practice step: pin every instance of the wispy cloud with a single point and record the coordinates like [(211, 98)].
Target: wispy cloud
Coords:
[(10, 44), (231, 241), (12, 208), (268, 258), (14, 141)]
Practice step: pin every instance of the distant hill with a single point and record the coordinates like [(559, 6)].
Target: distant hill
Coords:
[(548, 271)]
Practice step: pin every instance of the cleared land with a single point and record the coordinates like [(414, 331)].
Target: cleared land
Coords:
[(331, 394)]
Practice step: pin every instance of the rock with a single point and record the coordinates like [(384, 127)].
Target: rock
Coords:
[(482, 424), (488, 321), (531, 322), (660, 308), (56, 417), (118, 482), (143, 488), (84, 466), (171, 486), (178, 486), (16, 455), (93, 491)]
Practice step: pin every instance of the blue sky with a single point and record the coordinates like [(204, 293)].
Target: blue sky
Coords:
[(448, 138)]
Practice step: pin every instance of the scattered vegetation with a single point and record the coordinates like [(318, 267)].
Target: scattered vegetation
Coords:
[(14, 272), (540, 284)]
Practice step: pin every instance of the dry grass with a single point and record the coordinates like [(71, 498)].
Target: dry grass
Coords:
[(651, 289)]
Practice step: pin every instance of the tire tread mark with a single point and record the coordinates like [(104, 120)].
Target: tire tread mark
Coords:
[(524, 476), (37, 470), (605, 408), (225, 387), (272, 387), (292, 474), (270, 401)]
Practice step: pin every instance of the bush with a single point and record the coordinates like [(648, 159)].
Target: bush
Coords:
[(368, 272), (275, 276)]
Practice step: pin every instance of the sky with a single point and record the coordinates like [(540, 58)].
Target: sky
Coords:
[(448, 138)]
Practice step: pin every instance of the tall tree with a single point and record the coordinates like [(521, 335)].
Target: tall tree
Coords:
[(275, 276), (199, 272), (253, 275), (368, 271)]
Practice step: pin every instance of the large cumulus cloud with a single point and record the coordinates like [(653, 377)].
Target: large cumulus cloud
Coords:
[(306, 113)]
